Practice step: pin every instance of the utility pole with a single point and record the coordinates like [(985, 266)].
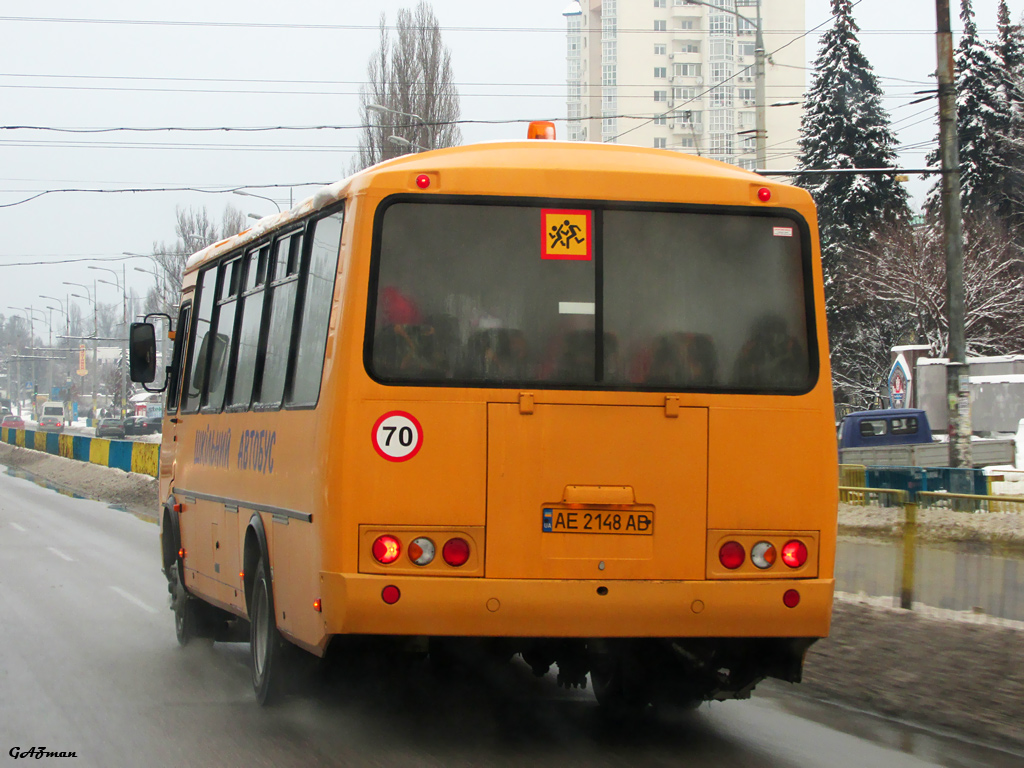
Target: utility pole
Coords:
[(760, 103), (957, 395), (760, 100)]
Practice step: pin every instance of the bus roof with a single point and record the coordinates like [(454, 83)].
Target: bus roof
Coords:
[(562, 161)]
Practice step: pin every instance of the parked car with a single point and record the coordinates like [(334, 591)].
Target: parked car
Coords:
[(142, 425), (110, 428), (13, 422), (151, 425)]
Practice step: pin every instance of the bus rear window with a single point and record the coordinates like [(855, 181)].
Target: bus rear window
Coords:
[(643, 299)]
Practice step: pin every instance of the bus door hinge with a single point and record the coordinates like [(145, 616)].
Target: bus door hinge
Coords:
[(526, 403), (671, 407)]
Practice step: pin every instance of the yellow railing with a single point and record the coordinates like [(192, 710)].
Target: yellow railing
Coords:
[(861, 496), (967, 502), (852, 475)]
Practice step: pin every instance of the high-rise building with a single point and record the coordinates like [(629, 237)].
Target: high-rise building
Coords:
[(681, 74)]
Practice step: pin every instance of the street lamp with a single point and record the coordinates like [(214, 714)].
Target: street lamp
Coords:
[(261, 197), (398, 141), (121, 286), (95, 332), (30, 316), (423, 123), (759, 96)]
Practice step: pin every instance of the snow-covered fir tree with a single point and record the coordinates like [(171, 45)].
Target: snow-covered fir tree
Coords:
[(1009, 51), (982, 122), (845, 126)]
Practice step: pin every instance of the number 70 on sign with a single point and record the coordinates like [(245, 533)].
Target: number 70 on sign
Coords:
[(397, 436)]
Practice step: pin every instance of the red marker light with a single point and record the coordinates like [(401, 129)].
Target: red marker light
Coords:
[(764, 194), (791, 599), (390, 594), (455, 552), (423, 181), (182, 553), (732, 555), (316, 605), (386, 549), (794, 553)]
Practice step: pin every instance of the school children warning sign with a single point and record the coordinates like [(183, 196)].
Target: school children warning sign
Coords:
[(565, 234)]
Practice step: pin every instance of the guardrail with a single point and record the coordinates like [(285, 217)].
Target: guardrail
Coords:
[(141, 458), (966, 502), (985, 578)]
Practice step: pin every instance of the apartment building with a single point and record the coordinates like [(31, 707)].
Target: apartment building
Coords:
[(680, 74)]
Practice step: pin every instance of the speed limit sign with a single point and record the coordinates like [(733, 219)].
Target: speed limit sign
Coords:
[(397, 436)]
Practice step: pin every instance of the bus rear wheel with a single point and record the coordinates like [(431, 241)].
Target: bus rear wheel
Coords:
[(186, 620), (619, 680), (267, 647)]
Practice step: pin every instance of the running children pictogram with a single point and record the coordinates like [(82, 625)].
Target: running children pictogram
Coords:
[(565, 234)]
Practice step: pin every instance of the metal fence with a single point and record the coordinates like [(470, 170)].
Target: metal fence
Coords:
[(978, 575)]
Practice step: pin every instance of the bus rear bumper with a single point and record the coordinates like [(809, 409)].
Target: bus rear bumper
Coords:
[(438, 606)]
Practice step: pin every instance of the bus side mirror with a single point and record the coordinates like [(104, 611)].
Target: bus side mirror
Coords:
[(142, 353)]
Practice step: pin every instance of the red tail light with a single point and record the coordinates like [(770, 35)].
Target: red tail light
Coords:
[(455, 552), (386, 549), (794, 553), (732, 555), (390, 594)]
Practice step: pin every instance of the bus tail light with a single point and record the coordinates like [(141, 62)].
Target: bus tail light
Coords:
[(794, 553), (390, 594), (386, 549), (422, 551), (455, 552), (762, 554), (732, 555)]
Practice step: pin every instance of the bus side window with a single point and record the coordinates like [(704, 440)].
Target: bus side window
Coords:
[(198, 351), (174, 380), (317, 291), (223, 332), (249, 327), (283, 290)]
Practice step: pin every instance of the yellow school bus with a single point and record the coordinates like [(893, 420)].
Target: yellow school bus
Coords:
[(567, 398)]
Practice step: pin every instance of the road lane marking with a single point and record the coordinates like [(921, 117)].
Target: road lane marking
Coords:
[(133, 600), (61, 555), (17, 527)]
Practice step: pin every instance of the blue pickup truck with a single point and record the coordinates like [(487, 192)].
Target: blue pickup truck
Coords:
[(902, 437)]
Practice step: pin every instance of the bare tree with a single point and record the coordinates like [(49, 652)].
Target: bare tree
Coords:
[(195, 230), (411, 77), (906, 273)]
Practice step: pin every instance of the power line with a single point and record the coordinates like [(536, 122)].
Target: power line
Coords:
[(166, 189), (376, 27)]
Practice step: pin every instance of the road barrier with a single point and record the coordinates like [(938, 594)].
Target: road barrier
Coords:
[(988, 577), (142, 458)]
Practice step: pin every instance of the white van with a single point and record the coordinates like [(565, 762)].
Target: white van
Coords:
[(52, 418)]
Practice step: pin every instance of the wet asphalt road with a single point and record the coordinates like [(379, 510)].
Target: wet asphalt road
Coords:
[(89, 664)]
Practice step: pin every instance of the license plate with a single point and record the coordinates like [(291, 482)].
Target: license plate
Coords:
[(629, 522)]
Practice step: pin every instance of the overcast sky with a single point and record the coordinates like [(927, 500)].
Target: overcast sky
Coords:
[(259, 63)]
